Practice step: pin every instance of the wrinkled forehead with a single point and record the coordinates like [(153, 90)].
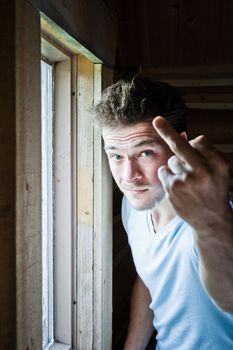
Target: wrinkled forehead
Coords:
[(129, 133)]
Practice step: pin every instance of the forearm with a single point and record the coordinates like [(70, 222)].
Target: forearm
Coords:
[(216, 260), (141, 318)]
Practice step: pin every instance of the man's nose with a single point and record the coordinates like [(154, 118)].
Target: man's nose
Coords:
[(131, 172)]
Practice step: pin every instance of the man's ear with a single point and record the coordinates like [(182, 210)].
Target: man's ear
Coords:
[(184, 135)]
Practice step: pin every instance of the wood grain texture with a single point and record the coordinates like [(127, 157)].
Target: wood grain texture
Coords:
[(62, 243), (94, 215), (102, 229), (28, 178), (7, 178), (84, 205), (174, 33)]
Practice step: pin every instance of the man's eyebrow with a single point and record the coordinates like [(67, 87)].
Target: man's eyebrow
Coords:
[(139, 144), (145, 142), (109, 147)]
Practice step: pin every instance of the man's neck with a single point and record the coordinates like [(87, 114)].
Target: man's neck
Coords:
[(162, 214)]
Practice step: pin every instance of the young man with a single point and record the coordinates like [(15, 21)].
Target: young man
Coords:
[(177, 215)]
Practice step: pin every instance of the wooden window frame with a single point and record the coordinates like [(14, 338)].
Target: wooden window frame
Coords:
[(92, 191)]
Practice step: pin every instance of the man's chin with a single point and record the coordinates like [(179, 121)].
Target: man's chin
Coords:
[(145, 206)]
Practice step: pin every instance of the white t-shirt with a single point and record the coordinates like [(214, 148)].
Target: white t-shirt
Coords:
[(167, 261)]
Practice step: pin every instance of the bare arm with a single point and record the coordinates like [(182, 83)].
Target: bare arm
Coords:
[(196, 181), (140, 325), (216, 261)]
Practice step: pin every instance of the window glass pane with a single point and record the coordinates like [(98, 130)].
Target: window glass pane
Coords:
[(47, 199)]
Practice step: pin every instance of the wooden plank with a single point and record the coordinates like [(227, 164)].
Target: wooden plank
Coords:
[(7, 178), (217, 125), (85, 201), (163, 21), (207, 97), (60, 347), (128, 49), (210, 98), (210, 105), (102, 230), (226, 32), (209, 90), (196, 73), (62, 206), (193, 19), (74, 223), (198, 82), (28, 178), (144, 33)]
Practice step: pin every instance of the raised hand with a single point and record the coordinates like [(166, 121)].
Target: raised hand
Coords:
[(196, 179)]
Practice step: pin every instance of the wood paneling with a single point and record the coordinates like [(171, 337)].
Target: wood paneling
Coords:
[(216, 125), (102, 229), (85, 199), (7, 178), (163, 18), (28, 178), (173, 33)]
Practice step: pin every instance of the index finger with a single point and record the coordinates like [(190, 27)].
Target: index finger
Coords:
[(178, 145)]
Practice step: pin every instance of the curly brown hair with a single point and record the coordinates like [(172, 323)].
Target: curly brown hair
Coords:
[(138, 99)]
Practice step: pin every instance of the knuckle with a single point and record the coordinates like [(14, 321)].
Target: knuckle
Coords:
[(162, 171), (172, 160), (182, 183), (177, 185), (201, 171), (205, 174)]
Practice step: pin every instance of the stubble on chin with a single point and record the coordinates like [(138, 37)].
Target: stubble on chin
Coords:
[(150, 205)]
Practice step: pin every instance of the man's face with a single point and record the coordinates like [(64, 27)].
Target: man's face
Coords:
[(135, 153)]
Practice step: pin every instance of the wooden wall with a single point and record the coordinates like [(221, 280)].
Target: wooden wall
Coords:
[(169, 33), (211, 114), (7, 179)]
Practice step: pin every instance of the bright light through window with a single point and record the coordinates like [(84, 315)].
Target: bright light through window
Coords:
[(47, 199)]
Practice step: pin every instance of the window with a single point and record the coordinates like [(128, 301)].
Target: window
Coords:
[(47, 199), (90, 263), (77, 222), (57, 234)]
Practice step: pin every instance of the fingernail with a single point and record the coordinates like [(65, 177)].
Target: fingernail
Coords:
[(159, 122)]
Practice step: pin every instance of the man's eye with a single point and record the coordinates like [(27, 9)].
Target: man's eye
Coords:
[(116, 157), (147, 153)]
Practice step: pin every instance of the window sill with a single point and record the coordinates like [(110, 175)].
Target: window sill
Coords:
[(57, 346)]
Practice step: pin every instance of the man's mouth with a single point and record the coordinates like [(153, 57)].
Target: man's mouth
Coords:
[(136, 190)]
